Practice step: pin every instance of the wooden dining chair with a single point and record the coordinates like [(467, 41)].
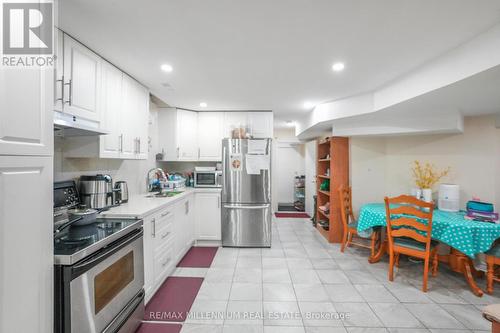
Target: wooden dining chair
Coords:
[(409, 229), (492, 260), (350, 225)]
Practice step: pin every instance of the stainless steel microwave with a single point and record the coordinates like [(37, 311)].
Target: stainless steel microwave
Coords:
[(208, 178)]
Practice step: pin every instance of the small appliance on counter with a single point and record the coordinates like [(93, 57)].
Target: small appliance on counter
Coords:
[(207, 177), (96, 191), (449, 197), (121, 192)]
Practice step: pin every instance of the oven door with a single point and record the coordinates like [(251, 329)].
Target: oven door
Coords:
[(105, 284), (205, 179)]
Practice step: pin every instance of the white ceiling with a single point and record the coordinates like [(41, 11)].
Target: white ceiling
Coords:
[(271, 55)]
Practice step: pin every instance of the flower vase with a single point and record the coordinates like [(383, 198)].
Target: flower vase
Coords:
[(417, 193), (427, 194)]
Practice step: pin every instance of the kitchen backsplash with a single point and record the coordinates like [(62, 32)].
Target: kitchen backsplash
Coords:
[(183, 167)]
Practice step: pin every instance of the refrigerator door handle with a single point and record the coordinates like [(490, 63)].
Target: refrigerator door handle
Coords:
[(246, 206)]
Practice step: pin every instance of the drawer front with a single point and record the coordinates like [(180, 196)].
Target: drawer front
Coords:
[(164, 236), (164, 217), (164, 262)]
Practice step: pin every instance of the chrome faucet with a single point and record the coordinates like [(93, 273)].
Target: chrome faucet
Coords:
[(160, 174)]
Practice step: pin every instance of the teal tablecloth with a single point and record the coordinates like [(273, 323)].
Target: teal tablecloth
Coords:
[(468, 237)]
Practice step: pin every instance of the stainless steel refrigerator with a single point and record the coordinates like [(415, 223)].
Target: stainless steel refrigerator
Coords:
[(246, 192)]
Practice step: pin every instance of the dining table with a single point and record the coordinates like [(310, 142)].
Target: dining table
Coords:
[(466, 238)]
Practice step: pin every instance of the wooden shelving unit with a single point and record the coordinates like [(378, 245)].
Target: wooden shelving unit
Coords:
[(333, 154)]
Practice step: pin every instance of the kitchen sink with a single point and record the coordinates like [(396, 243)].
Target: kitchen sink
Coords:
[(163, 194)]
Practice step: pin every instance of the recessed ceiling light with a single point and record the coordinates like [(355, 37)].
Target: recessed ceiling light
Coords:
[(290, 123), (166, 68), (338, 67), (203, 104), (308, 105)]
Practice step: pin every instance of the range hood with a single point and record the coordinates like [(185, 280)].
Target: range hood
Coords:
[(66, 125)]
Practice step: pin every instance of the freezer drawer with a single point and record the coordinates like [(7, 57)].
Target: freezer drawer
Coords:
[(246, 225)]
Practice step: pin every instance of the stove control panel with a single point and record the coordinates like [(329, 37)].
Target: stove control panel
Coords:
[(65, 194)]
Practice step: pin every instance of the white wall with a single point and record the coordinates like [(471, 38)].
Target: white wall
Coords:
[(280, 165), (132, 171), (367, 170), (382, 166)]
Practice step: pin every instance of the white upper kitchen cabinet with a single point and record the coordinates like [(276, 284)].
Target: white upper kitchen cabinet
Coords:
[(142, 123), (208, 215), (128, 139), (187, 135), (26, 117), (124, 115), (111, 119), (210, 134), (26, 244), (82, 78), (234, 120), (260, 124), (178, 134), (59, 70)]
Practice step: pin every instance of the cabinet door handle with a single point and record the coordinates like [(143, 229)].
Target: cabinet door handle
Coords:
[(153, 227), (139, 145), (165, 214), (165, 235), (178, 152), (163, 264), (199, 153), (121, 142), (70, 84), (62, 89)]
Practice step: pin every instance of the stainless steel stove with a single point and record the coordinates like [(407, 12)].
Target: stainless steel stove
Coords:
[(99, 270), (75, 243)]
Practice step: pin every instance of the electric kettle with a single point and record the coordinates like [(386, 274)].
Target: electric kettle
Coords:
[(121, 192)]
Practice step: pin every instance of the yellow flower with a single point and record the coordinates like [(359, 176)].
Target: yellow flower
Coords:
[(426, 176)]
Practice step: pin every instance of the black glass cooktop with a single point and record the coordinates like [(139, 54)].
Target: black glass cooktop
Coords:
[(76, 242)]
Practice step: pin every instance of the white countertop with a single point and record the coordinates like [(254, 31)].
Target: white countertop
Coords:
[(140, 206)]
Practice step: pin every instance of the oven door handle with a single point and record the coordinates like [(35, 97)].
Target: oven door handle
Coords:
[(104, 253)]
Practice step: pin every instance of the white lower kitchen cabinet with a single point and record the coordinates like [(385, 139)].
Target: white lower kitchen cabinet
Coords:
[(183, 227), (26, 244), (208, 215), (168, 235)]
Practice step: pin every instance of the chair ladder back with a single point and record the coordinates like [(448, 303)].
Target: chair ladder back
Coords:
[(406, 218), (345, 197)]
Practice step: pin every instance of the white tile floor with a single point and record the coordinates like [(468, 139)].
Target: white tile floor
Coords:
[(303, 284)]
